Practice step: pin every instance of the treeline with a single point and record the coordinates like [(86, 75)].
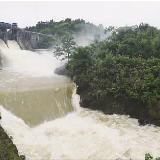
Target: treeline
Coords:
[(125, 65), (63, 28)]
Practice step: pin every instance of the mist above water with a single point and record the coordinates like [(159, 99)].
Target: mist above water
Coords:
[(29, 63), (89, 34)]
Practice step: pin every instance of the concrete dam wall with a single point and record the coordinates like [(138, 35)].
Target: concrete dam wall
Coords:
[(27, 40)]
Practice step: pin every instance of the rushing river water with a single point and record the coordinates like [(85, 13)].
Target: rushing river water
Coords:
[(41, 111)]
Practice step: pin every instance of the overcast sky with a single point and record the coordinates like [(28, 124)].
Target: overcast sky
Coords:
[(108, 13)]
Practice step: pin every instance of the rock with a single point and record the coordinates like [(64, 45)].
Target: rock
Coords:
[(61, 70), (23, 157), (0, 63)]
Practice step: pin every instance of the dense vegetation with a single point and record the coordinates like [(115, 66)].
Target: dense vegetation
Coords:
[(57, 30), (126, 64), (149, 157), (125, 67), (8, 150)]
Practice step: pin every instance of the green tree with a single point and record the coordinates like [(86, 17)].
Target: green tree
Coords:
[(62, 28), (46, 41), (65, 49), (149, 157)]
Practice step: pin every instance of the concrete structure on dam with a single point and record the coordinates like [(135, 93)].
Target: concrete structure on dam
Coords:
[(27, 40)]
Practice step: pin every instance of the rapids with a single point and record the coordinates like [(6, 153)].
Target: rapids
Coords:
[(41, 111)]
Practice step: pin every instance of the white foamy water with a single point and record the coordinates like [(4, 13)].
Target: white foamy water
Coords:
[(79, 134), (12, 44), (27, 62), (83, 134), (3, 45)]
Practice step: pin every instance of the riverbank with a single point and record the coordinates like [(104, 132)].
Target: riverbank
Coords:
[(146, 113), (143, 111), (8, 150)]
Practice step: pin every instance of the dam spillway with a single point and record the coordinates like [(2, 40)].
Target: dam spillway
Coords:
[(41, 111)]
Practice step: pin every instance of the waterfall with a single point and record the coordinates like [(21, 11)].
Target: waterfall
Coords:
[(41, 111), (3, 45), (27, 62)]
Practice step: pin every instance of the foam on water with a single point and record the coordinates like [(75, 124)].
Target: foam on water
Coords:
[(83, 134), (29, 63), (12, 44), (26, 62), (2, 44)]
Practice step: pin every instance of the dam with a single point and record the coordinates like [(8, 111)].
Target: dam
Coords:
[(41, 111), (11, 33), (4, 35), (27, 40)]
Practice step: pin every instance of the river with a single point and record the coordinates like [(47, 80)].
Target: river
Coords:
[(41, 111)]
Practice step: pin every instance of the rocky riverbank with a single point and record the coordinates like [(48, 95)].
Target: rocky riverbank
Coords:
[(8, 150), (145, 113)]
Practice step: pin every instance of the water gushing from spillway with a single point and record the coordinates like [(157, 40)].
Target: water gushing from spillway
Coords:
[(29, 85), (41, 111), (27, 62), (12, 44), (3, 45), (83, 134)]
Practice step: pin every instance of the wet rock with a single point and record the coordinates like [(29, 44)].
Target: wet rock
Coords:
[(23, 157), (61, 70), (0, 63)]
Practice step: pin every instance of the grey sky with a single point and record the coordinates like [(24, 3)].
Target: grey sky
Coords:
[(108, 13)]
